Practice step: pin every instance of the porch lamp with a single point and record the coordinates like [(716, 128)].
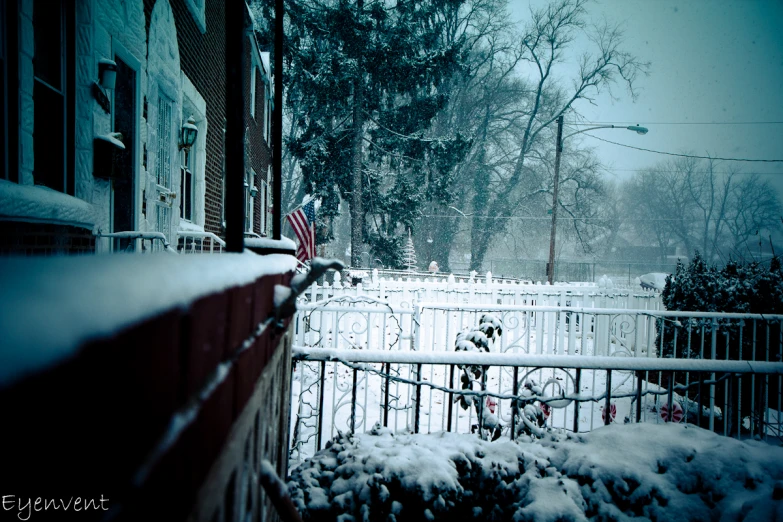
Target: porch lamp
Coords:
[(550, 268), (107, 73), (107, 79), (189, 133)]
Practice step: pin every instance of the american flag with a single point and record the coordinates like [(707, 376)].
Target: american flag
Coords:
[(303, 222)]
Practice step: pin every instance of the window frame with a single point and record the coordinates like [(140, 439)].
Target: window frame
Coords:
[(264, 193), (188, 196), (164, 145), (250, 179), (253, 91), (67, 103)]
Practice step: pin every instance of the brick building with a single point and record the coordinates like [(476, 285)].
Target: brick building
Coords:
[(82, 158)]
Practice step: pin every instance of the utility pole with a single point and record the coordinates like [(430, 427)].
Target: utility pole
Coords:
[(558, 150)]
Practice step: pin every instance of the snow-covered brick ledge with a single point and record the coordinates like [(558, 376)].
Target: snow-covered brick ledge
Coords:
[(618, 472), (53, 306), (265, 244), (43, 205), (126, 374)]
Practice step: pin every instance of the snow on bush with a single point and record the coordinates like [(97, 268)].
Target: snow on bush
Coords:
[(658, 472), (734, 288)]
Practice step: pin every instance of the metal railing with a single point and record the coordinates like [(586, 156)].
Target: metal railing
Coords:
[(195, 242), (134, 241), (188, 242), (351, 390), (582, 354)]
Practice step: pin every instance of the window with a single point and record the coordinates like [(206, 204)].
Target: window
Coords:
[(163, 166), (253, 91), (249, 200), (52, 23), (165, 142), (268, 107), (9, 97), (187, 170), (264, 194), (4, 93)]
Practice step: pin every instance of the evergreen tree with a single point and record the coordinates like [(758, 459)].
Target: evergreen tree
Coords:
[(366, 76), (409, 255)]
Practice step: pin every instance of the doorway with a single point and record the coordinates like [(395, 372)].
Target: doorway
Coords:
[(126, 123)]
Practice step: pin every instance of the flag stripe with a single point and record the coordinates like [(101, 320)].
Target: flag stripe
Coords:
[(302, 221)]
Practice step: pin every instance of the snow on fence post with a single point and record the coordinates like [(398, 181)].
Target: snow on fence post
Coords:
[(416, 325)]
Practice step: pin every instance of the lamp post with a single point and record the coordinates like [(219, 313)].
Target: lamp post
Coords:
[(550, 267)]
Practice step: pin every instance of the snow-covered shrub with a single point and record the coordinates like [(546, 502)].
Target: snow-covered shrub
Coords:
[(618, 472), (700, 287), (530, 412), (478, 340)]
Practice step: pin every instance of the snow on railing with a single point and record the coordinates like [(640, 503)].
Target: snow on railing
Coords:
[(138, 237), (351, 390), (197, 242)]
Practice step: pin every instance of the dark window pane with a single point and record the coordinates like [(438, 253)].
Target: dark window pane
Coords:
[(3, 123), (47, 62), (48, 138), (182, 172), (188, 195), (3, 92)]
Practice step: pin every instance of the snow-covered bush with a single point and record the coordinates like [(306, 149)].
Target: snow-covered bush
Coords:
[(479, 340), (700, 287), (752, 288), (665, 472)]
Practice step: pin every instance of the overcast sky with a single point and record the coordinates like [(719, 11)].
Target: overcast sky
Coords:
[(717, 61)]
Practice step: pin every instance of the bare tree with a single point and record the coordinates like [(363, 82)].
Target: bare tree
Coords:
[(544, 45), (753, 206), (700, 205)]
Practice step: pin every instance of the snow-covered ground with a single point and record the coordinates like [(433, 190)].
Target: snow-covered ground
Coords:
[(618, 472)]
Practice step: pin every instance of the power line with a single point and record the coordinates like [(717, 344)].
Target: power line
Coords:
[(678, 123), (686, 155), (548, 219), (656, 171)]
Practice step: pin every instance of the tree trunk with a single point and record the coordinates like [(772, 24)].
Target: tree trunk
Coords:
[(357, 210)]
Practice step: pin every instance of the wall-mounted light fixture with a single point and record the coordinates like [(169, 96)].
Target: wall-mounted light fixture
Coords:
[(107, 73), (253, 191), (189, 133), (107, 79)]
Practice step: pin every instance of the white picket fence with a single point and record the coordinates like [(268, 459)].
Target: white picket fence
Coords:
[(403, 290)]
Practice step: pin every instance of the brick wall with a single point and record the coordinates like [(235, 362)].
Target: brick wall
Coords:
[(44, 239), (259, 154), (149, 416), (202, 58)]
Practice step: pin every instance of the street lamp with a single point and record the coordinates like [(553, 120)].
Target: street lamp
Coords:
[(550, 268)]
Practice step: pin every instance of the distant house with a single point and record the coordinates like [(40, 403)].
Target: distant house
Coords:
[(89, 157)]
